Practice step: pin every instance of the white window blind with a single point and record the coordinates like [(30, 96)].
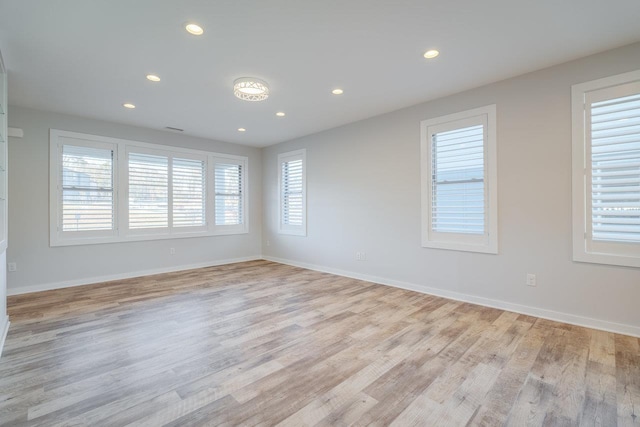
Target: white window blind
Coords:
[(87, 200), (615, 167), (148, 191), (228, 183), (457, 180), (188, 177), (292, 192)]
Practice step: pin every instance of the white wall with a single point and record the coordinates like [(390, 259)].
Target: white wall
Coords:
[(41, 266), (364, 195)]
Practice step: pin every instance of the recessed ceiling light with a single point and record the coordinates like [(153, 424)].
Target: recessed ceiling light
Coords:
[(250, 89), (153, 78), (337, 91), (430, 54), (241, 129), (280, 114), (194, 29), (128, 105)]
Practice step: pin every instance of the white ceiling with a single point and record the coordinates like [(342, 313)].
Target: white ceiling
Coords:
[(88, 57)]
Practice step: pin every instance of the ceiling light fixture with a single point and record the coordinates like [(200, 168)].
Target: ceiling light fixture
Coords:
[(153, 78), (430, 54), (250, 89), (280, 114), (194, 29), (337, 91), (129, 106), (241, 129)]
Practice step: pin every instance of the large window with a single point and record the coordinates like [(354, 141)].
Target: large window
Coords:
[(292, 193), (606, 170), (110, 190), (459, 204)]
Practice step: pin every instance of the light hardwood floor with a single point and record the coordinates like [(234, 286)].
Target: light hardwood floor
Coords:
[(260, 343)]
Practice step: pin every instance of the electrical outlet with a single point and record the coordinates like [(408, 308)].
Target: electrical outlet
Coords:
[(268, 243), (363, 256), (13, 266), (531, 279), (357, 256), (172, 251)]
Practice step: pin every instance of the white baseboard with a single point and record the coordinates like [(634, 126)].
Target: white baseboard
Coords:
[(4, 330), (98, 279), (572, 319)]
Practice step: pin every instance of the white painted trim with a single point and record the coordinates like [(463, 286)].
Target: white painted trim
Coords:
[(99, 279), (557, 316), (5, 332)]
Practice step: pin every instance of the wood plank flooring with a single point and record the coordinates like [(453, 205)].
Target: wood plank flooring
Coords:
[(260, 343)]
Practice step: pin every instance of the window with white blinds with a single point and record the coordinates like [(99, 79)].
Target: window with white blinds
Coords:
[(148, 191), (292, 192), (229, 198), (458, 181), (112, 190), (86, 180), (189, 200), (607, 170)]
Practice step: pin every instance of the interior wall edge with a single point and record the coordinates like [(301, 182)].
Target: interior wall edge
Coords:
[(5, 331), (573, 319), (130, 275)]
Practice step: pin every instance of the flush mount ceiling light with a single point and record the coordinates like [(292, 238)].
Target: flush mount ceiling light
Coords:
[(242, 130), (194, 29), (129, 106), (251, 89), (430, 54), (280, 114), (337, 91), (153, 78)]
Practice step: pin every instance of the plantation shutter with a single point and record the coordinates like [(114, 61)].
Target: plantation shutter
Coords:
[(188, 178), (615, 168), (87, 200), (228, 185), (457, 180), (148, 191), (292, 192)]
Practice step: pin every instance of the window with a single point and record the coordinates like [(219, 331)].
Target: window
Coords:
[(292, 193), (86, 183), (164, 194), (606, 170), (189, 200), (230, 191), (459, 202), (148, 191)]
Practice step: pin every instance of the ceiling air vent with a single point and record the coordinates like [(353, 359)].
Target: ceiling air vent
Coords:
[(174, 129)]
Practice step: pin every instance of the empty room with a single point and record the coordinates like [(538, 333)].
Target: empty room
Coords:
[(319, 213)]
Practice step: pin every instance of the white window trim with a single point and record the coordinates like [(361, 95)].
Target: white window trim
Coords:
[(211, 194), (121, 233), (288, 229), (584, 249), (487, 243)]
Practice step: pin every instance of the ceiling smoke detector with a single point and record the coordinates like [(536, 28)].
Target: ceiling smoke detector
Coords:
[(251, 89)]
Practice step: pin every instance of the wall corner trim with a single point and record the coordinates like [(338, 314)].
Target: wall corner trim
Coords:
[(3, 333), (587, 322)]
